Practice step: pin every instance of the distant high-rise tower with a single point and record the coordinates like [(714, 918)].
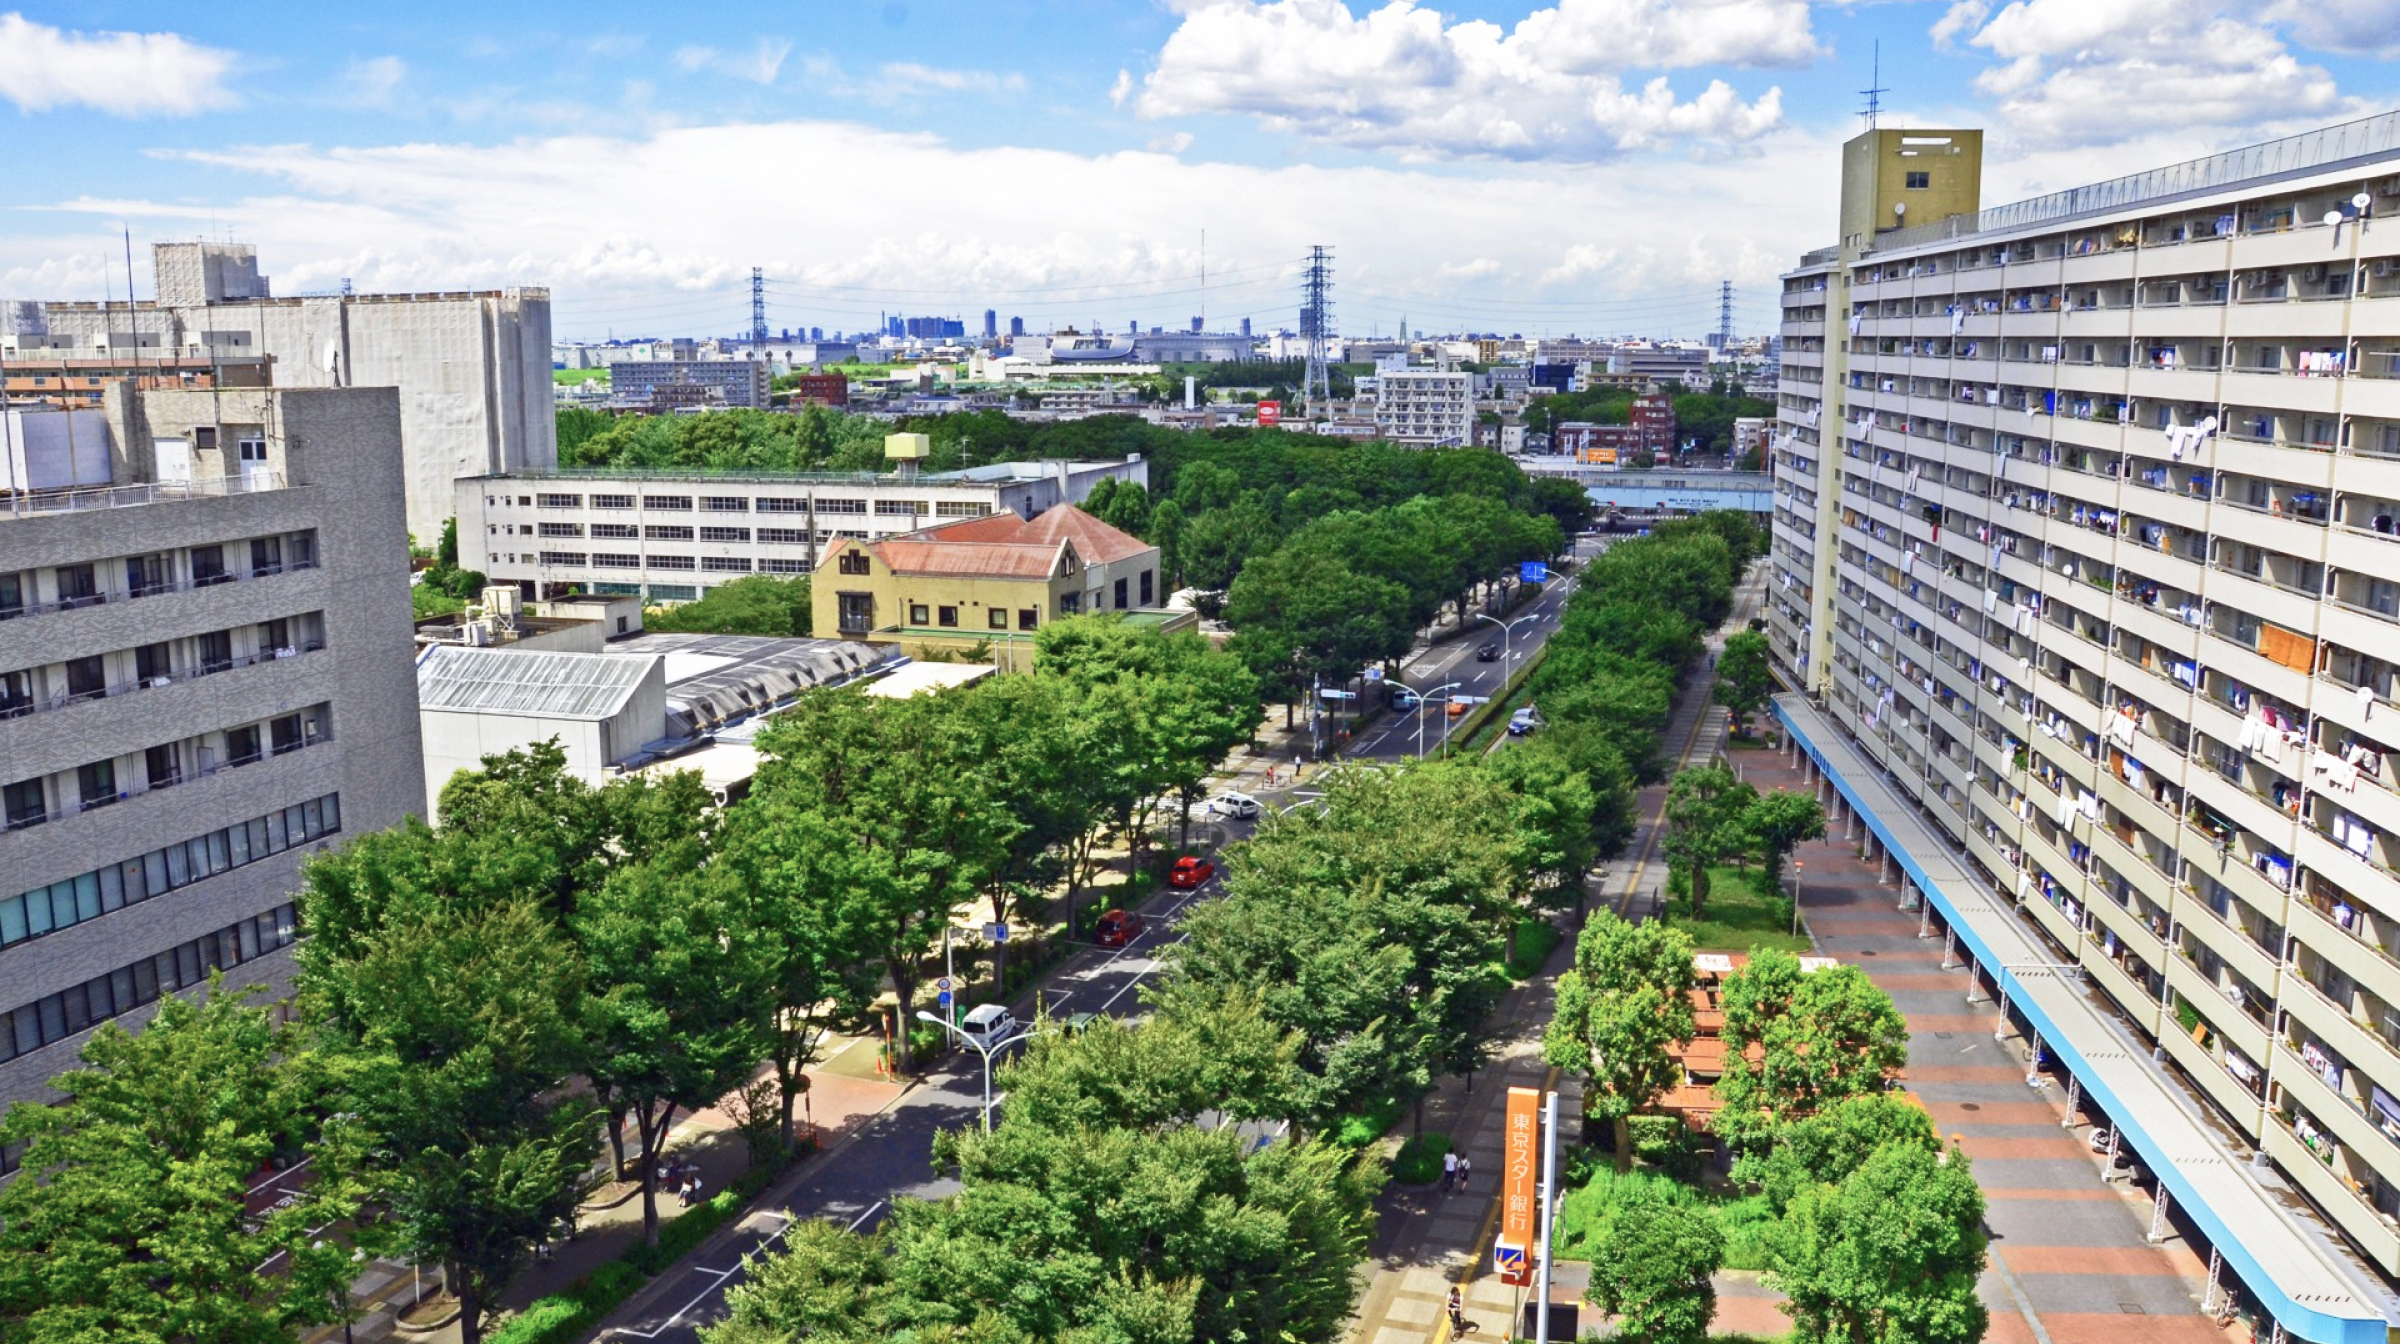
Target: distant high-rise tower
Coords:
[(758, 307), (1725, 315), (1016, 326), (991, 324), (1316, 325), (1133, 326), (1196, 324), (1245, 326)]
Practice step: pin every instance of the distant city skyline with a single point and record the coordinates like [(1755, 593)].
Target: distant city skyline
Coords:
[(1596, 166)]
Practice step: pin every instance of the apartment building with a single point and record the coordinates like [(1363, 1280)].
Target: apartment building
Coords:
[(472, 367), (204, 676), (685, 384), (2085, 543), (1425, 406), (666, 536)]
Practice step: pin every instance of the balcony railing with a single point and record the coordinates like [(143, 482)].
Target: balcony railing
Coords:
[(135, 592), (27, 504), (37, 704)]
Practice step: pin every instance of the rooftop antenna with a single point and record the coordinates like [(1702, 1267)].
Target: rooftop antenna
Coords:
[(1874, 91)]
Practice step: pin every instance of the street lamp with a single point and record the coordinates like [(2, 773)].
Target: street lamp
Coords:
[(979, 1048), (1508, 631), (1425, 698), (1796, 867)]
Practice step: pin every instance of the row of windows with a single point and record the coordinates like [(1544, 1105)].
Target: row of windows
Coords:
[(780, 565), (1028, 618), (71, 901), (726, 564), (102, 997), (667, 503), (784, 536)]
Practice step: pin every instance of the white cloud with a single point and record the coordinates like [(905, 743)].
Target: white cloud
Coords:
[(953, 81), (2352, 27), (1171, 144), (1401, 78), (371, 82), (2094, 72), (124, 74), (1962, 17), (667, 240), (760, 64)]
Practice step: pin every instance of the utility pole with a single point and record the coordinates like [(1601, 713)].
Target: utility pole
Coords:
[(758, 308), (1316, 326), (1725, 315)]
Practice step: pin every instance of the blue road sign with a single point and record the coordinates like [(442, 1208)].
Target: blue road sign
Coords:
[(1508, 1261), (945, 1001), (1532, 571), (1324, 694)]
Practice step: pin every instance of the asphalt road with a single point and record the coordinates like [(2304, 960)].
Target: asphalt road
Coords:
[(889, 1156)]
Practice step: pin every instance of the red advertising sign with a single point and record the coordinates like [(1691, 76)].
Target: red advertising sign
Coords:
[(1520, 1150), (1270, 414)]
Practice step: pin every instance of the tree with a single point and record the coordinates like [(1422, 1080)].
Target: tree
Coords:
[(1779, 821), (1889, 1256), (129, 1223), (1704, 813), (1743, 681), (1823, 1035), (755, 604), (1167, 525), (452, 1029), (1617, 1013), (683, 1008), (1823, 1149), (1300, 619), (1221, 1055), (1123, 505), (1651, 1267)]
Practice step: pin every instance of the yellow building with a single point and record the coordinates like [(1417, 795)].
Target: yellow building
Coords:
[(987, 581)]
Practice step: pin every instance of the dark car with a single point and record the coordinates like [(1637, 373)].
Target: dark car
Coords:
[(1117, 928), (1190, 871), (1489, 653)]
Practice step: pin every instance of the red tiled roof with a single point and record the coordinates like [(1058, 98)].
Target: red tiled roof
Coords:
[(1095, 541), (917, 554)]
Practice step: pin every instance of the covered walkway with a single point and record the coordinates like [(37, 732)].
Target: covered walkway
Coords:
[(2286, 1266)]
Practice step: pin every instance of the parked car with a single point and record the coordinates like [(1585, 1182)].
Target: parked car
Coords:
[(1523, 721), (1458, 709), (988, 1024), (1489, 653), (1233, 804), (1117, 928), (1190, 871)]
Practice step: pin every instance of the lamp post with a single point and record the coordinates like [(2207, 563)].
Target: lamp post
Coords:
[(1797, 865), (1425, 698), (1508, 630), (979, 1048)]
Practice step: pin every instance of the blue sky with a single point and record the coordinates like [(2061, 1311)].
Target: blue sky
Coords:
[(1590, 166)]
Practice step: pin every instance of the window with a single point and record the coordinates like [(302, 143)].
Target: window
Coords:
[(216, 650), (1028, 618), (241, 745), (1071, 603), (615, 560), (571, 559), (147, 574), (253, 448), (782, 565), (724, 504), (96, 784), (615, 532), (657, 533), (1121, 583), (1149, 593), (668, 503), (561, 501), (725, 534), (12, 587), (997, 618), (672, 562), (303, 550), (16, 694), (841, 506), (204, 436), (78, 586), (208, 566), (673, 592), (900, 508), (856, 612), (160, 767), (560, 529), (1920, 181), (854, 561), (959, 508), (781, 504), (918, 614), (285, 734), (152, 664), (612, 501), (127, 988), (783, 536), (23, 805), (947, 617), (87, 678), (266, 555), (726, 564)]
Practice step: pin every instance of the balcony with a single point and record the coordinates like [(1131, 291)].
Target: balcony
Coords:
[(2312, 1168), (133, 496), (10, 709)]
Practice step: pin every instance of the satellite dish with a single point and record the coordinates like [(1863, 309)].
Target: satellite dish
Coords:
[(2362, 201), (2333, 216), (1900, 207)]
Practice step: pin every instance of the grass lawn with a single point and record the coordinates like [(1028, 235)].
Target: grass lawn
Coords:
[(571, 377), (1737, 917), (1530, 946), (1357, 1131), (1743, 1219)]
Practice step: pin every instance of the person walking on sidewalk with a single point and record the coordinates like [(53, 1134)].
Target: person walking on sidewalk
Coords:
[(1449, 1172), (1466, 1167), (1458, 1311)]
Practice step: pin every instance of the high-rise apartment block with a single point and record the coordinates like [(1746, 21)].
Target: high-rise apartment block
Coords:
[(204, 676), (1425, 406), (2085, 557), (472, 368)]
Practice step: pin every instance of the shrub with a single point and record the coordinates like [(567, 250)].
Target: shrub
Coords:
[(1419, 1161), (552, 1320)]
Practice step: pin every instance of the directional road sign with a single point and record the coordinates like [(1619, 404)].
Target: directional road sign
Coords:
[(997, 933), (1327, 694), (1509, 1262)]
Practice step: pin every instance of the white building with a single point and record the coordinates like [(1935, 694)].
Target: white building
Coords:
[(2085, 543), (1425, 406)]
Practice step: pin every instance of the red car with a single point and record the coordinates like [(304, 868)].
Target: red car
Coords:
[(1117, 928), (1190, 871)]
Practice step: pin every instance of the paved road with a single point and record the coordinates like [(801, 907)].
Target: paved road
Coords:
[(889, 1156), (1452, 669)]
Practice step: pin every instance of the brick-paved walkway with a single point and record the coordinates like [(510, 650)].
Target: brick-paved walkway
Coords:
[(2071, 1263)]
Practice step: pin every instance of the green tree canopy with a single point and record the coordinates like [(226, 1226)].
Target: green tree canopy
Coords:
[(1823, 1149), (1651, 1267), (1779, 821), (754, 604), (1705, 810), (1743, 679), (1889, 1256), (1825, 1035), (1617, 1014)]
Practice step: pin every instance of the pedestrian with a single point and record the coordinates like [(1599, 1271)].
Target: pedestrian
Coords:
[(1270, 776), (1458, 1311), (1449, 1172), (1466, 1168)]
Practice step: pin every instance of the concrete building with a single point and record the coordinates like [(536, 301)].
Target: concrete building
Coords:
[(203, 677), (472, 368), (1194, 347), (674, 384), (1425, 406), (667, 535), (986, 581), (2084, 541)]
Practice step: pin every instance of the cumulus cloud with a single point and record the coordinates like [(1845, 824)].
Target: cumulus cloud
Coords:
[(124, 74), (954, 81), (371, 82), (1402, 78), (668, 240), (760, 64), (2092, 72), (2352, 27)]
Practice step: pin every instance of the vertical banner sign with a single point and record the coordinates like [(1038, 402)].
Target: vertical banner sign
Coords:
[(1519, 1154), (1270, 414)]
